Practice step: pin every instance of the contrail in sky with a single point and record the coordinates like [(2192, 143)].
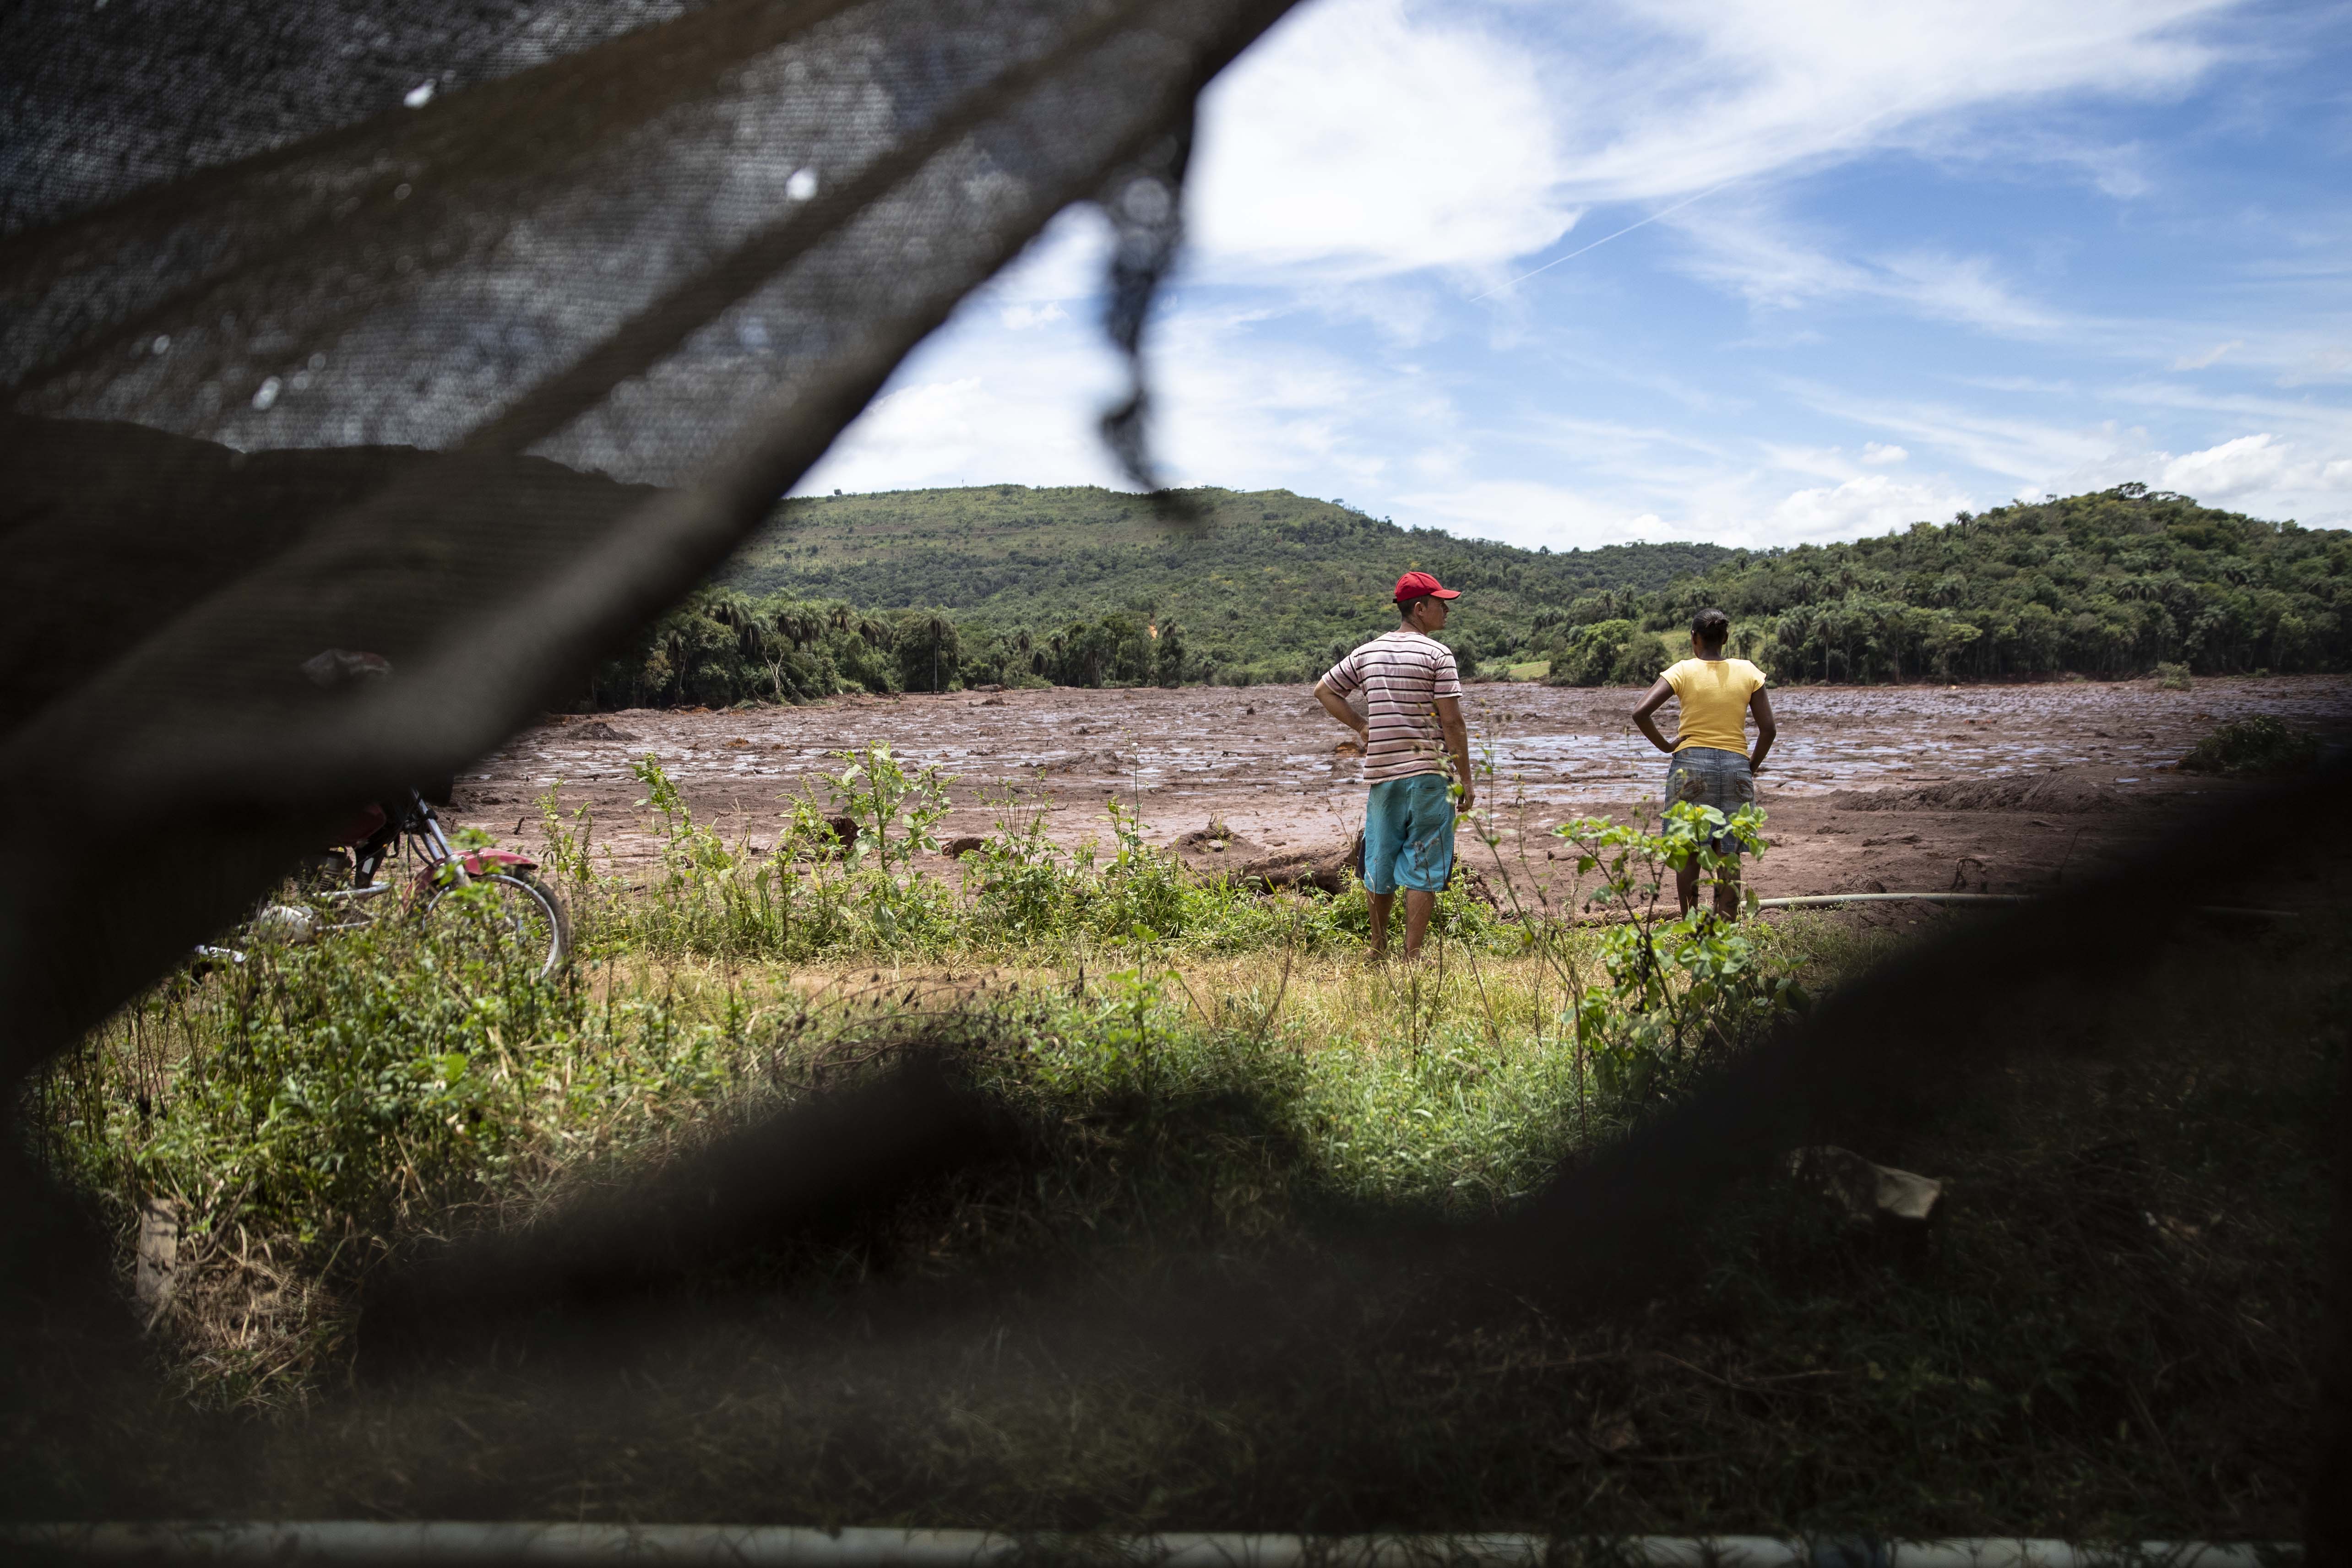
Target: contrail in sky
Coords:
[(1604, 239)]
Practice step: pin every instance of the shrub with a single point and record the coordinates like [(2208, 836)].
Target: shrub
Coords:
[(1607, 653), (2257, 744), (2172, 677), (1673, 995)]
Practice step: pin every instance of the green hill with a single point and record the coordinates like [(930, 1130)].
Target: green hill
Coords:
[(1266, 580), (2109, 583), (1084, 587)]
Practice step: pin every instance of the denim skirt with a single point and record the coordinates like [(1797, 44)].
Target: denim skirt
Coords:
[(1705, 776)]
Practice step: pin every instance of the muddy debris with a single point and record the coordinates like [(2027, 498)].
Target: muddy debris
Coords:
[(1326, 870), (967, 844), (2038, 793), (1091, 762), (2001, 787)]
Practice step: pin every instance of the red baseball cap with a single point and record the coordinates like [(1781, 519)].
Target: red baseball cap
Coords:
[(1421, 585)]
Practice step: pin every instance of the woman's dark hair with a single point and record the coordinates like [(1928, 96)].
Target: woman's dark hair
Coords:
[(1711, 627)]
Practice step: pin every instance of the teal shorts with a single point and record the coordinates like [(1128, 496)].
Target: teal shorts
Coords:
[(1408, 834)]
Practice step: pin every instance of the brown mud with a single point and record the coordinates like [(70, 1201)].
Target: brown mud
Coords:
[(2006, 789)]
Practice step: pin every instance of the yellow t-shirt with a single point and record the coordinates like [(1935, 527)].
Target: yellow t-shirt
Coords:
[(1713, 694)]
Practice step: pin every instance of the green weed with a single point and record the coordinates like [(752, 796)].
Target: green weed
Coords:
[(2258, 745)]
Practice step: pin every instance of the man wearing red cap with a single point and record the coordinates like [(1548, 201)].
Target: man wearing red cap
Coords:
[(1416, 756)]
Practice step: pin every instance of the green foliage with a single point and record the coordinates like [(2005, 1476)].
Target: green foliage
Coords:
[(2111, 583), (327, 1085), (720, 648), (930, 648), (1004, 584), (1607, 653), (1263, 587), (1675, 993), (1019, 894), (2257, 744)]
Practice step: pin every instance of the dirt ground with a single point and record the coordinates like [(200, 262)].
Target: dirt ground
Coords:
[(1908, 788)]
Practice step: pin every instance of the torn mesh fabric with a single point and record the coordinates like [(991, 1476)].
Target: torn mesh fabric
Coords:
[(404, 384)]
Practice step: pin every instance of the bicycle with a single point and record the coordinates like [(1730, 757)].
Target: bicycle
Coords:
[(485, 899)]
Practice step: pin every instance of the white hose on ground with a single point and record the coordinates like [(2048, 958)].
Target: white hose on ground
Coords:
[(1812, 900), (788, 1546)]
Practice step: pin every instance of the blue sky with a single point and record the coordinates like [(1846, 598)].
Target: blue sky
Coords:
[(1892, 261)]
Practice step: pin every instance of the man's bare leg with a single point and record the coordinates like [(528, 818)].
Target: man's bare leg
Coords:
[(1418, 907), (1686, 886)]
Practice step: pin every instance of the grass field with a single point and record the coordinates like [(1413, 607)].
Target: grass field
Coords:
[(1171, 1300)]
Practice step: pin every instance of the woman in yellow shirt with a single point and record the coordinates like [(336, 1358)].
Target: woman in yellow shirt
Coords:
[(1712, 765)]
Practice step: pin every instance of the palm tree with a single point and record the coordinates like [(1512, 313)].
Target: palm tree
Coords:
[(731, 609), (797, 624)]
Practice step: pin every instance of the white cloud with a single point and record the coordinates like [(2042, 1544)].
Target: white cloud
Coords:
[(1880, 455), (1747, 247), (1963, 289), (1706, 91), (2233, 468), (1010, 392), (2307, 476), (1013, 393), (1530, 513), (1021, 318), (1362, 138), (2211, 356), (2030, 453), (1867, 504), (2258, 465)]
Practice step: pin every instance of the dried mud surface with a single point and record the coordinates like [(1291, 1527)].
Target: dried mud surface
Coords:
[(1997, 789)]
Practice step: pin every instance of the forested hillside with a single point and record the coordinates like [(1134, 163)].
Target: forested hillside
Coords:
[(2109, 583), (1083, 586), (1263, 583)]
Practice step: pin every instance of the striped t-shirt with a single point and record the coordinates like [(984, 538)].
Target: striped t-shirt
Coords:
[(1402, 676)]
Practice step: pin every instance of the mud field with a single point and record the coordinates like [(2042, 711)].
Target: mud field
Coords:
[(1997, 789)]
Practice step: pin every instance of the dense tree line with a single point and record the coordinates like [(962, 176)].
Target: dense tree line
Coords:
[(2111, 583), (723, 647)]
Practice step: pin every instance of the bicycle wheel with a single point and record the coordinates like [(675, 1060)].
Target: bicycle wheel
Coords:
[(501, 919)]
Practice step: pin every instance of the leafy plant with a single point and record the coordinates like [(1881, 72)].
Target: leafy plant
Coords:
[(895, 810), (1675, 993), (2252, 746)]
